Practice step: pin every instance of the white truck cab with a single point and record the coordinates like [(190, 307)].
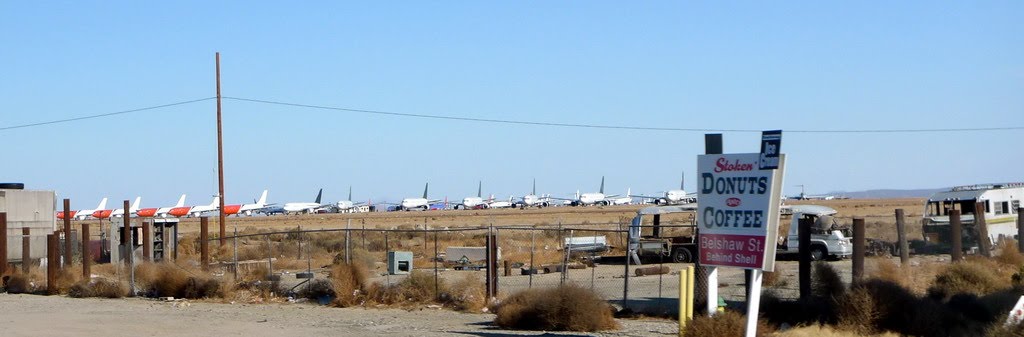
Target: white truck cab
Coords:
[(828, 240)]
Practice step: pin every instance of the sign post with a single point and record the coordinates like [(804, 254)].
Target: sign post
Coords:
[(738, 213)]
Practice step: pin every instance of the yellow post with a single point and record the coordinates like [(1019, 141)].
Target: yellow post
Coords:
[(685, 297), (689, 292)]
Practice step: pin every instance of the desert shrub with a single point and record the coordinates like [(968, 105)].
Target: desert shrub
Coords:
[(773, 279), (566, 308), (418, 287), (857, 312), (167, 279), (19, 284), (887, 270), (826, 282), (1009, 254), (725, 324), (1001, 330), (466, 294), (98, 287), (348, 282), (964, 278)]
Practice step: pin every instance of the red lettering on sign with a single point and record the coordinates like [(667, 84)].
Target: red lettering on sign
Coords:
[(723, 165), (732, 202)]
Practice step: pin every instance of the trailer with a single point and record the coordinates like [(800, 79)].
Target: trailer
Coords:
[(1000, 201)]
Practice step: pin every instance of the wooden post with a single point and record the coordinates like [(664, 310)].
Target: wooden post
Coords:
[(508, 268), (126, 236), (222, 218), (86, 256), (26, 249), (981, 227), (51, 264), (804, 241), (67, 233), (901, 237), (147, 242), (1020, 229), (956, 236), (3, 243), (859, 244), (204, 242)]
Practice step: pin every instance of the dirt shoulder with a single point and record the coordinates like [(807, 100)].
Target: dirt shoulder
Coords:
[(33, 315)]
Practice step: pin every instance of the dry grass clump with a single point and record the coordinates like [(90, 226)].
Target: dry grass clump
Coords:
[(167, 279), (417, 288), (566, 308), (465, 294), (965, 278), (824, 331), (1009, 254), (349, 283), (1000, 330), (858, 312), (887, 270), (20, 284), (98, 287), (724, 324)]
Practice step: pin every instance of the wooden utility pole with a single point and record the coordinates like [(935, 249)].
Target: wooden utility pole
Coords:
[(901, 238), (67, 232), (956, 236), (859, 243), (220, 162)]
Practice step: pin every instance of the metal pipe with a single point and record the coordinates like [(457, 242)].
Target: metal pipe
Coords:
[(67, 232)]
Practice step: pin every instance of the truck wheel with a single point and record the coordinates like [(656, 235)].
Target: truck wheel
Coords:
[(682, 255), (818, 253)]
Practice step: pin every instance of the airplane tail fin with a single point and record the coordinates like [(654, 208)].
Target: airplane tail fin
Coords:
[(425, 188), (577, 194), (682, 181), (135, 205), (103, 204), (602, 185), (181, 201), (534, 186), (263, 199), (216, 201), (479, 189), (318, 195), (349, 192)]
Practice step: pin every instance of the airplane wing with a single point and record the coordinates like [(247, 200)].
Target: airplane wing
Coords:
[(566, 199)]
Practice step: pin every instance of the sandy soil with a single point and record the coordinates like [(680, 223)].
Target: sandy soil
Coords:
[(32, 315)]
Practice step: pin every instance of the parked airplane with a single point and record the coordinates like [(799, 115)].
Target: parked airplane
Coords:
[(83, 214), (195, 210), (673, 197), (623, 200), (348, 205), (531, 200), (304, 207), (418, 203), (598, 198), (491, 203), (476, 202), (247, 209), (159, 212), (116, 213)]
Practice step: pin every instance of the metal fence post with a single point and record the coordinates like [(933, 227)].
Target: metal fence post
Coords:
[(804, 250), (437, 285), (86, 254), (147, 241), (387, 248), (67, 232), (26, 250), (1020, 229), (234, 253), (51, 263), (533, 248), (625, 273)]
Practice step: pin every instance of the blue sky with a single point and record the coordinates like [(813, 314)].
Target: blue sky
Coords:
[(723, 65)]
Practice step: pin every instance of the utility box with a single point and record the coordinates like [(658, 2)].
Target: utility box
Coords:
[(399, 263), (35, 210)]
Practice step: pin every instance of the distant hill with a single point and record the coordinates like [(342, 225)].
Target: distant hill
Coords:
[(890, 193)]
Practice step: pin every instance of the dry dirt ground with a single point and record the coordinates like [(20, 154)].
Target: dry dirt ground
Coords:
[(32, 315), (39, 315)]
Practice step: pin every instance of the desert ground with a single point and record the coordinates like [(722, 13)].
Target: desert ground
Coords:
[(60, 315)]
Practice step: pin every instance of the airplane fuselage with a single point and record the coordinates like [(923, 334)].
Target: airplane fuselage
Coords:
[(415, 203)]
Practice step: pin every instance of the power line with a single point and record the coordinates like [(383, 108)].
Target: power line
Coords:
[(617, 127), (105, 114)]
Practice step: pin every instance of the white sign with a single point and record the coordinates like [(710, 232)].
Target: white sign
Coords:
[(1017, 313), (738, 210)]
